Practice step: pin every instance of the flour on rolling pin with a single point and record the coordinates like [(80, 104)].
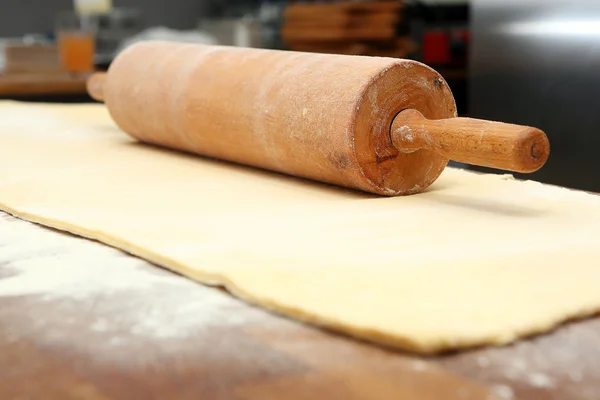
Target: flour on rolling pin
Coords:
[(381, 125), (132, 300)]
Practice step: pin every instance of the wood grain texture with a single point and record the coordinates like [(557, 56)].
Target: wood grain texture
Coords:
[(92, 339), (381, 125), (473, 141), (345, 28), (317, 116)]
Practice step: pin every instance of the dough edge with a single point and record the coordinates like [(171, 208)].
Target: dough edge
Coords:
[(425, 346)]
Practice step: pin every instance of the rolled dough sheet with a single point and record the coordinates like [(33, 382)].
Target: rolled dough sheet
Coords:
[(477, 259)]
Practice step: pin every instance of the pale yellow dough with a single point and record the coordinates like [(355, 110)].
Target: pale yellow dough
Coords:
[(477, 259)]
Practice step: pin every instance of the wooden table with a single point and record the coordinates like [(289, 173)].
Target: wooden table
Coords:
[(79, 320), (42, 84)]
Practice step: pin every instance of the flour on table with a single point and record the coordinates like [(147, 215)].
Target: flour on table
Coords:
[(540, 380), (519, 364), (575, 376), (419, 365), (134, 299), (483, 361), (503, 392)]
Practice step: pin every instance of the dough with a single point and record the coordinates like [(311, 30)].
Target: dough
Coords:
[(477, 259)]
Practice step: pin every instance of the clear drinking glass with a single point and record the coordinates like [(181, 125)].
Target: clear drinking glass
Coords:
[(76, 42)]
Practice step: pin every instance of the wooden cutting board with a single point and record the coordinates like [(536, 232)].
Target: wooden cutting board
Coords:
[(79, 320)]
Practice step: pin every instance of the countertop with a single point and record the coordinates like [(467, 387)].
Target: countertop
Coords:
[(80, 320)]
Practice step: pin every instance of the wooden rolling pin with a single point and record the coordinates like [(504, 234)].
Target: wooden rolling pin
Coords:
[(382, 125)]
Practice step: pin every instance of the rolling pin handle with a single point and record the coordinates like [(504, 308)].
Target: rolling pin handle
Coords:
[(473, 141), (95, 86)]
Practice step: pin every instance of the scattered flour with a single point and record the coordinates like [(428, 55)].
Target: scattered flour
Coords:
[(464, 394), (419, 365), (130, 298), (503, 392), (519, 364), (483, 361), (540, 380), (575, 376), (512, 375), (405, 133)]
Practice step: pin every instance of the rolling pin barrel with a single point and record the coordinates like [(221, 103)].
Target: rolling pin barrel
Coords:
[(381, 125)]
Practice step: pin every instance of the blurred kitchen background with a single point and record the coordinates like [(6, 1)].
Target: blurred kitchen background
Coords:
[(531, 62)]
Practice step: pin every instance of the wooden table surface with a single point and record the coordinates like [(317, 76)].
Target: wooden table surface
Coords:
[(39, 84), (80, 320)]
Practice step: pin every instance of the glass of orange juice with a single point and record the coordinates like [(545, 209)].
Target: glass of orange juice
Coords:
[(76, 42)]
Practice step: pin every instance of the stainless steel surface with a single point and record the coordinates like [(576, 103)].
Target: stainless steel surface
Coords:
[(537, 62)]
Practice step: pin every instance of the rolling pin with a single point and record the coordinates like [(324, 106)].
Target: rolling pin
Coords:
[(382, 125)]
